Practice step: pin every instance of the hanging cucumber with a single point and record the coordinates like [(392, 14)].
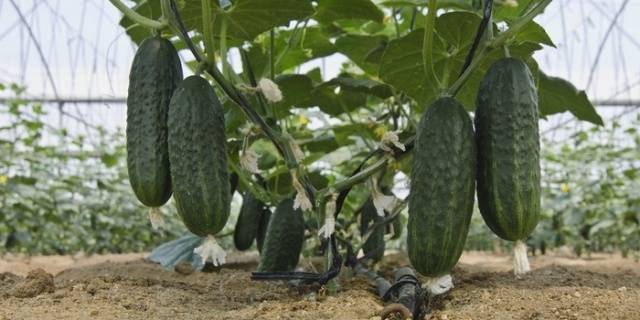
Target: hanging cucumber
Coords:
[(509, 154), (374, 247), (262, 228), (248, 222), (155, 73), (283, 240), (198, 158), (442, 192)]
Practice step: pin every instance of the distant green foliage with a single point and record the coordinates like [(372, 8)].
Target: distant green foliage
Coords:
[(62, 192)]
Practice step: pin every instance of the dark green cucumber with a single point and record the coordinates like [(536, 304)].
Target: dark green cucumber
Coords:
[(284, 238), (198, 157), (374, 247), (442, 188), (248, 222), (155, 73), (262, 228), (508, 150)]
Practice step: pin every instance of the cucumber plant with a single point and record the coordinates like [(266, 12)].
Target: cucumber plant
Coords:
[(288, 128)]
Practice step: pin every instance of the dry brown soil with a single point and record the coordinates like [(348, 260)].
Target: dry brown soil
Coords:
[(127, 287)]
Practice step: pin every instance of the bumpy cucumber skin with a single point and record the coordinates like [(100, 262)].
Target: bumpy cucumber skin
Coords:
[(442, 188), (248, 222), (155, 73), (284, 239), (262, 228), (508, 150), (198, 157), (374, 246)]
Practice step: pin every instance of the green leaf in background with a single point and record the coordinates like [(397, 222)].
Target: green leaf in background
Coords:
[(248, 18), (442, 4), (358, 48), (296, 88), (296, 48), (557, 95), (332, 10), (366, 86)]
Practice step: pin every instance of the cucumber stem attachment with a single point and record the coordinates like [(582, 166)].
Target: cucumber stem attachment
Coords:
[(138, 18)]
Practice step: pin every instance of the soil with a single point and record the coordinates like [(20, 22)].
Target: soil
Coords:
[(127, 287)]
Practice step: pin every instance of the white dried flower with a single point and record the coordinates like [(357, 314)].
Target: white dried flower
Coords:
[(155, 217), (249, 161), (439, 285), (329, 226), (210, 250), (381, 201), (391, 138), (270, 90), (301, 201)]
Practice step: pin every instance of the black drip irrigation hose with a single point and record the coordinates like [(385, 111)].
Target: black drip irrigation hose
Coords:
[(306, 278)]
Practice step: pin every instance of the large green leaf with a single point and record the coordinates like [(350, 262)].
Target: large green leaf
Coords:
[(333, 10), (534, 32), (296, 88), (558, 95), (402, 67), (246, 19), (303, 45), (358, 48)]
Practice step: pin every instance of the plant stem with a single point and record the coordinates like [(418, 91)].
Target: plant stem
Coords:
[(427, 46), (496, 42), (207, 31), (138, 18), (223, 47), (360, 177), (272, 51), (503, 37)]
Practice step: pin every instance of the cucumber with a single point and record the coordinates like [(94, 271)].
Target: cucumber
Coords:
[(442, 188), (248, 222), (283, 240), (508, 150), (262, 228), (374, 247), (198, 157), (155, 73)]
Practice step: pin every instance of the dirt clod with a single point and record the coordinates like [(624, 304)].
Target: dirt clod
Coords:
[(37, 282), (184, 268)]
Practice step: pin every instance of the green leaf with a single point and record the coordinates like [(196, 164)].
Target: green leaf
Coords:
[(442, 4), (366, 86), (296, 88), (248, 18), (357, 48), (558, 95), (294, 49), (332, 10), (109, 160), (534, 32), (402, 67)]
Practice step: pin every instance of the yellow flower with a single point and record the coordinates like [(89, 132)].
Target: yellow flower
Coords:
[(380, 131), (565, 188), (3, 180), (302, 120)]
